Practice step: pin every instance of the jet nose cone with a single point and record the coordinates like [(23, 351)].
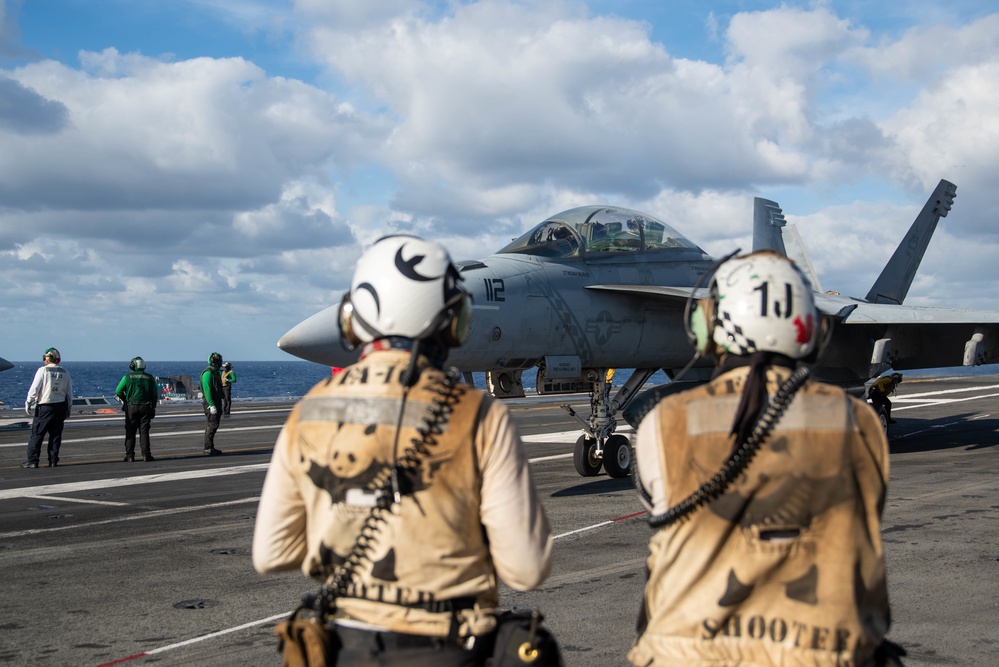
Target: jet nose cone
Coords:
[(317, 339), (4, 364)]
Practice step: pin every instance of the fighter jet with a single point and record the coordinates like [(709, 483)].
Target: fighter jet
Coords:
[(598, 288)]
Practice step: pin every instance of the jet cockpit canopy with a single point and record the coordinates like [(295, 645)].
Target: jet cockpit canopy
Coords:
[(598, 229)]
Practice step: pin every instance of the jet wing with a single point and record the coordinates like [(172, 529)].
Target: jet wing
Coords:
[(906, 337), (885, 314), (882, 335), (842, 308)]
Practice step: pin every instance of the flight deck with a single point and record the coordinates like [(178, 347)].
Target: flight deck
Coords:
[(106, 562)]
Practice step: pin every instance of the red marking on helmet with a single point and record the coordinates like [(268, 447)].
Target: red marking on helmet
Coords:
[(805, 329)]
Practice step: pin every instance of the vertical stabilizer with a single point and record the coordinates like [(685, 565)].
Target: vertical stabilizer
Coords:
[(768, 221), (771, 232), (796, 253), (896, 278)]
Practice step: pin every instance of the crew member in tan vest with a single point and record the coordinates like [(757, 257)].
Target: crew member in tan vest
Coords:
[(468, 513), (767, 547)]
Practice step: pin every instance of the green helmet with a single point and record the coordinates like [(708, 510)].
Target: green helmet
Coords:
[(51, 354), (215, 359)]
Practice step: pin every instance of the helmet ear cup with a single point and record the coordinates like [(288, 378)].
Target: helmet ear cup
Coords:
[(457, 313), (702, 324), (346, 322), (460, 324)]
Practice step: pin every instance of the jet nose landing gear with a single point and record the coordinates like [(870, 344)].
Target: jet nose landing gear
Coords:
[(587, 457), (617, 456), (599, 446), (614, 456)]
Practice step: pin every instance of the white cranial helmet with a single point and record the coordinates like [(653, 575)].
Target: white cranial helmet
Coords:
[(405, 286), (763, 302)]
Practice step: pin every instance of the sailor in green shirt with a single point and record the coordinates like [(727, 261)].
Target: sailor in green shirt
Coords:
[(228, 379), (211, 400), (139, 395)]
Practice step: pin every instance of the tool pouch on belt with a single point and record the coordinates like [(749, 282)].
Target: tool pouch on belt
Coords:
[(305, 641), (521, 640)]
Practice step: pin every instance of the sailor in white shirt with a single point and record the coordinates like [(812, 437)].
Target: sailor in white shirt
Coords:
[(49, 400)]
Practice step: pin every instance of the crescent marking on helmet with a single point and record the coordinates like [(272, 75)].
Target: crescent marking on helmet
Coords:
[(408, 268), (368, 287)]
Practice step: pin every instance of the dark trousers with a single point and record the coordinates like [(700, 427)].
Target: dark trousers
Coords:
[(362, 648), (880, 400), (138, 418), (226, 398), (49, 419), (213, 425)]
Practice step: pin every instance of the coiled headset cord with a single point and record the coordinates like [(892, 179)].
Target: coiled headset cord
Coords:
[(737, 461)]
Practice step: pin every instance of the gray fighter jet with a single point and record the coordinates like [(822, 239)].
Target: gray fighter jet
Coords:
[(598, 288)]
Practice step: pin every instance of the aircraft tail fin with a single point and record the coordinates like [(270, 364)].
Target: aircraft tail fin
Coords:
[(768, 223), (796, 253), (893, 284), (771, 232)]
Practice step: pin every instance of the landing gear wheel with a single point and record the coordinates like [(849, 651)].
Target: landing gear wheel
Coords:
[(617, 456), (883, 418), (585, 458)]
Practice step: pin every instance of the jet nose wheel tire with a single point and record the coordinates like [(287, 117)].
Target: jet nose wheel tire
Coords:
[(617, 456), (584, 457), (883, 418), (882, 413)]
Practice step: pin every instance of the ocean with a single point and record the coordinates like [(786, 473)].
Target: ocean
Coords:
[(255, 380), (271, 380)]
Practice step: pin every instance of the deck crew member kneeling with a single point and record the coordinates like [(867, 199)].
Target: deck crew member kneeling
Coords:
[(465, 511), (777, 561)]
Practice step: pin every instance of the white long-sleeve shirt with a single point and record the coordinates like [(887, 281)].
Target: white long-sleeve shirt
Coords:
[(50, 385)]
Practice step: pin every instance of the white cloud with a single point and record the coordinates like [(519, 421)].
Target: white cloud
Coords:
[(952, 126), (500, 94), (926, 52), (187, 277), (202, 133), (789, 41), (205, 184), (304, 216), (162, 170)]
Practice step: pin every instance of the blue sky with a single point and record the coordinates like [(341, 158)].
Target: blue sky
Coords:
[(179, 177)]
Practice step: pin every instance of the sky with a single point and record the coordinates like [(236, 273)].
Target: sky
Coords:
[(191, 176)]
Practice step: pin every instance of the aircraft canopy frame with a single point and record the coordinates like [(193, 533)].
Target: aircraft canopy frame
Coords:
[(590, 230)]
